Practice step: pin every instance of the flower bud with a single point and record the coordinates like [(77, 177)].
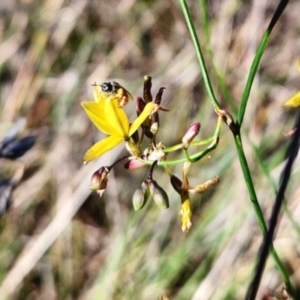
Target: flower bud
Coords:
[(134, 164), (190, 135), (140, 196), (159, 95), (99, 180), (177, 184), (147, 89), (160, 197), (139, 105)]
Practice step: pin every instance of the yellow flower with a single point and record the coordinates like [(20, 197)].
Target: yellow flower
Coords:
[(185, 212), (294, 101), (108, 116)]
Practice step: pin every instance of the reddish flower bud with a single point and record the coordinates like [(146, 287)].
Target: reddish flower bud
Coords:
[(159, 95), (147, 89), (134, 164), (160, 197), (139, 105), (99, 180), (190, 135)]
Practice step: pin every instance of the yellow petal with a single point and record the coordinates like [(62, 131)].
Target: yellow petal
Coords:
[(293, 101), (186, 214), (96, 113), (116, 117), (101, 147), (98, 93), (142, 117)]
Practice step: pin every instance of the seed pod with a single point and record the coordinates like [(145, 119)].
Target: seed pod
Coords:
[(177, 184), (190, 135), (140, 196), (160, 197)]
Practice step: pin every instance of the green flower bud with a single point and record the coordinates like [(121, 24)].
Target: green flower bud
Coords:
[(140, 196), (160, 197)]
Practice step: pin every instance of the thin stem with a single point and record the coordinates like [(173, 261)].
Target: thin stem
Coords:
[(200, 57), (253, 70), (257, 209), (193, 143), (292, 153)]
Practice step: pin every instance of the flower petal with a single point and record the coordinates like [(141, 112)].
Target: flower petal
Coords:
[(101, 147), (142, 117), (98, 93), (186, 213), (116, 117), (96, 113), (294, 101)]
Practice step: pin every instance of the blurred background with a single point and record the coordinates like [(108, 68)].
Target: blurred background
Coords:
[(60, 241)]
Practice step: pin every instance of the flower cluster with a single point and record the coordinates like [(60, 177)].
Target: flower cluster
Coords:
[(108, 115)]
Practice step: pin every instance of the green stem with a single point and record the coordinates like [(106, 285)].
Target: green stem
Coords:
[(260, 51), (257, 209), (200, 57)]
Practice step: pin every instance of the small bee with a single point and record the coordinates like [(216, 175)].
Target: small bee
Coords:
[(111, 90)]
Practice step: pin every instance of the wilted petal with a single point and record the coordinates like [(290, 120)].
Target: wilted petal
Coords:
[(204, 186), (186, 213), (101, 147), (133, 148)]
